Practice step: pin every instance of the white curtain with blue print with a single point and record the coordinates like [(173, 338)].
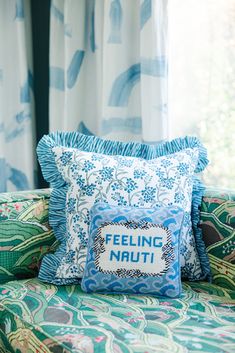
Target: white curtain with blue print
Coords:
[(108, 68), (17, 140)]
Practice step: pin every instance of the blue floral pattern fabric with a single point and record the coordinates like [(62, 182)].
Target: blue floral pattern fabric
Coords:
[(134, 250), (121, 181)]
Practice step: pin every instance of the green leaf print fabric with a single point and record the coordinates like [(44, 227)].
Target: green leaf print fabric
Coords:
[(25, 235), (218, 226), (37, 317)]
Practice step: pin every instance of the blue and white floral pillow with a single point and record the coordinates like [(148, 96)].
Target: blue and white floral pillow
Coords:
[(81, 179), (134, 250)]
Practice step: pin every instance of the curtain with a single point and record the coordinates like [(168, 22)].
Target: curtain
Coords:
[(108, 68), (17, 137)]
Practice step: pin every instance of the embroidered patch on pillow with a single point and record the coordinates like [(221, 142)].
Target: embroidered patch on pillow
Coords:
[(143, 177), (134, 250)]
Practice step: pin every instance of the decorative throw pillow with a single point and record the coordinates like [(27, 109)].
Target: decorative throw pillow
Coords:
[(145, 177), (134, 250)]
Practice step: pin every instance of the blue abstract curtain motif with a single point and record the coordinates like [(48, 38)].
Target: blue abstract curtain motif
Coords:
[(125, 82), (109, 74), (115, 15), (25, 89), (17, 150), (57, 13), (145, 12), (19, 6), (57, 74)]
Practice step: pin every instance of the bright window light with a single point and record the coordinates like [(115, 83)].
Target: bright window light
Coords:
[(202, 81)]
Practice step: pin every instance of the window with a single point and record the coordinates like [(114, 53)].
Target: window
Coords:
[(202, 80)]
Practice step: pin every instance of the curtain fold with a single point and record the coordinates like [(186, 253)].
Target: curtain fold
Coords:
[(17, 132), (108, 68)]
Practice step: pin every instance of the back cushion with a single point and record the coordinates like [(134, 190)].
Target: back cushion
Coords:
[(218, 225), (25, 235)]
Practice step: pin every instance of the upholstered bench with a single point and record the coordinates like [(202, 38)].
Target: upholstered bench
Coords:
[(40, 317)]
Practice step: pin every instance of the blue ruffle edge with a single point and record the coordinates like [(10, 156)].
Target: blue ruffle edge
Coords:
[(57, 217)]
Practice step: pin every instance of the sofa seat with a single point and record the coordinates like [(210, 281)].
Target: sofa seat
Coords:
[(39, 317)]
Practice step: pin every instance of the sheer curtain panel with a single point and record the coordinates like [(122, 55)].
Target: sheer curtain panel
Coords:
[(17, 138), (108, 68)]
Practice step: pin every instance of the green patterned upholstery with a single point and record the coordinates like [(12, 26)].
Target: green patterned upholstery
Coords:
[(218, 226), (25, 235), (40, 318)]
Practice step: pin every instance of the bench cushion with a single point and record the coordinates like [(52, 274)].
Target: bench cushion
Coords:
[(39, 317), (218, 226), (25, 235)]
